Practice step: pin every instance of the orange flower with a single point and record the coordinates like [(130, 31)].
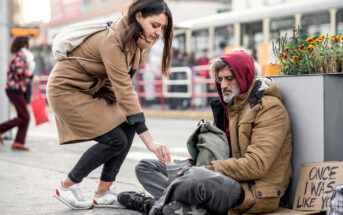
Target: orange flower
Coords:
[(315, 41), (309, 39), (333, 37), (310, 49), (322, 36), (286, 49), (293, 61), (302, 48), (283, 55), (295, 57), (341, 38), (320, 40)]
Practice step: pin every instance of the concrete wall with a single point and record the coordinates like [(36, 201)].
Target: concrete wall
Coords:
[(333, 118), (315, 106)]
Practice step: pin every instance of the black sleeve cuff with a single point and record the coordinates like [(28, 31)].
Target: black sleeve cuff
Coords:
[(137, 121)]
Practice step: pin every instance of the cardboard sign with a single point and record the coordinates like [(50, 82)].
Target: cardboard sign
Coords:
[(315, 185)]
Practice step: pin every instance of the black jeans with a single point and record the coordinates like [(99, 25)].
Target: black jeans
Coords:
[(111, 150)]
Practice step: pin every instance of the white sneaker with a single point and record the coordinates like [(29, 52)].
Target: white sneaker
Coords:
[(107, 199), (72, 197)]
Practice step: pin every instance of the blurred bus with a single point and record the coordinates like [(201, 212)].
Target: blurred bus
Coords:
[(253, 27)]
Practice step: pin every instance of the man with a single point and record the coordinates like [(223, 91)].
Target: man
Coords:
[(221, 51), (258, 172)]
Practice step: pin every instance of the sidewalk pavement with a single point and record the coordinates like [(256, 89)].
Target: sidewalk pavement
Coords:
[(27, 190), (28, 179)]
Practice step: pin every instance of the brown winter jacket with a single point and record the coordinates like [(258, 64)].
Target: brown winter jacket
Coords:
[(260, 138)]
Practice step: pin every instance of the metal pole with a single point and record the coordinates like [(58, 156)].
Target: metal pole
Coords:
[(333, 20), (211, 32), (237, 34), (266, 30), (4, 58)]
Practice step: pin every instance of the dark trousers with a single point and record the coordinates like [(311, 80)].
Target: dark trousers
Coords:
[(111, 150), (198, 186), (23, 117)]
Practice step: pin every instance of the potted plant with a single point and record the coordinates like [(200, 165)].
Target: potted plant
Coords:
[(311, 82), (305, 54)]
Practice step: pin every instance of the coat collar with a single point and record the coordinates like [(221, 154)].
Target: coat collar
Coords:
[(120, 26), (241, 99), (258, 88)]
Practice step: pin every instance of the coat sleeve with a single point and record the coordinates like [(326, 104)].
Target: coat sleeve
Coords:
[(116, 67), (268, 134)]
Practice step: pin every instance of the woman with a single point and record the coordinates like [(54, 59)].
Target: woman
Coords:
[(96, 101), (19, 74)]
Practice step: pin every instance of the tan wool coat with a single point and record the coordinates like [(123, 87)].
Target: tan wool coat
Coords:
[(261, 150), (79, 116)]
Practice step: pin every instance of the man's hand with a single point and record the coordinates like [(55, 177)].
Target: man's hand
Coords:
[(190, 160), (161, 151)]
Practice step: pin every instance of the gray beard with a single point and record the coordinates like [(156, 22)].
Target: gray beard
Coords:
[(229, 99)]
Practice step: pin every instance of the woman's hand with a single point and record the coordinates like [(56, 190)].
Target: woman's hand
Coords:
[(161, 151), (36, 79)]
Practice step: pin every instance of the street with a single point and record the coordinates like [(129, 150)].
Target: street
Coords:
[(28, 179)]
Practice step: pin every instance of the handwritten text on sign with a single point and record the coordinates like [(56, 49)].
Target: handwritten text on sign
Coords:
[(315, 185)]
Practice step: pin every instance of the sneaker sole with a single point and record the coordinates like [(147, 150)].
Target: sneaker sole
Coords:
[(108, 206), (69, 205)]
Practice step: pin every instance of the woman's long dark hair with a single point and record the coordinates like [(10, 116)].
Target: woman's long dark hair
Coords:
[(135, 30), (19, 42)]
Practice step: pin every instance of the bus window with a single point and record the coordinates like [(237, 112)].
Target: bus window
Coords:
[(199, 41), (251, 34), (180, 42), (284, 25), (339, 20), (316, 24), (223, 34)]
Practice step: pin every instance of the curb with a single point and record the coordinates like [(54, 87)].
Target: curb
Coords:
[(178, 114), (186, 114)]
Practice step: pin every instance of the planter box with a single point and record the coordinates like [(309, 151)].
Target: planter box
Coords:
[(315, 106)]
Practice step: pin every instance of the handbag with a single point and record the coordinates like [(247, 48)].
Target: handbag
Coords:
[(38, 105), (28, 92)]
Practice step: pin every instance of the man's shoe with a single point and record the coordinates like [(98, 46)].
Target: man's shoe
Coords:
[(19, 146), (72, 197), (107, 200), (178, 208), (136, 201)]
